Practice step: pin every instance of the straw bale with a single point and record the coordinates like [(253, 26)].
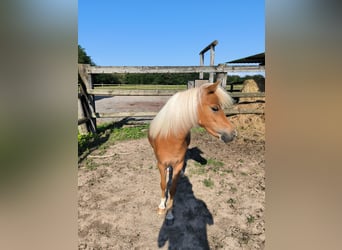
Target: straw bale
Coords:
[(252, 86)]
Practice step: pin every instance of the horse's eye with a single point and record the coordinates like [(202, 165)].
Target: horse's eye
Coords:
[(215, 108)]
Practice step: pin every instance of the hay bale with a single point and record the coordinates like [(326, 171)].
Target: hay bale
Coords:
[(249, 126), (252, 86)]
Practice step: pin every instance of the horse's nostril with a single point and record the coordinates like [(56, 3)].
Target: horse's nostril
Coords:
[(227, 137)]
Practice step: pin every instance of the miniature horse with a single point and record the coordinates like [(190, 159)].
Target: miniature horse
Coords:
[(169, 132)]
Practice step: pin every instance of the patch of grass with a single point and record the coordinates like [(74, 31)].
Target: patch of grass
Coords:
[(197, 164), (102, 149), (211, 162), (208, 182), (85, 142), (198, 169), (106, 134), (90, 164), (197, 130), (215, 163), (129, 133), (250, 219)]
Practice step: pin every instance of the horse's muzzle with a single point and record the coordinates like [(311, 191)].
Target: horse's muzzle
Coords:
[(227, 137)]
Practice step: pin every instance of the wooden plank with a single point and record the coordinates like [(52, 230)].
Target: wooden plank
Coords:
[(212, 55), (126, 114), (87, 108), (223, 78), (157, 92), (212, 61), (201, 64), (86, 85), (152, 114), (84, 93), (90, 117), (152, 69), (213, 43), (240, 94), (82, 128), (172, 69), (133, 92), (83, 70), (238, 69), (247, 111), (82, 121)]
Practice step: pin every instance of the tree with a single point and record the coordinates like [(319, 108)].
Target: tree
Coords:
[(98, 78), (83, 57)]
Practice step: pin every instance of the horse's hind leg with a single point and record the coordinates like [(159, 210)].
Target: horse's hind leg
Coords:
[(162, 205)]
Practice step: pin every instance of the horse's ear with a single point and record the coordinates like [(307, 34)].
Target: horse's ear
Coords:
[(212, 87)]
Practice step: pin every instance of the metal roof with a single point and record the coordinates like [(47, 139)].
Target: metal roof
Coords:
[(257, 58)]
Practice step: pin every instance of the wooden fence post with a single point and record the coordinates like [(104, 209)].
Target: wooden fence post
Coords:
[(82, 128), (212, 60), (222, 77), (191, 84), (201, 64), (86, 84)]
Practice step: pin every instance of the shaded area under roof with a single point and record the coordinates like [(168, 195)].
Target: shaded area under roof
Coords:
[(257, 58)]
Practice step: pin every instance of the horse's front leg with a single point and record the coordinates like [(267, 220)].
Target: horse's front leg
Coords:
[(162, 205), (176, 172)]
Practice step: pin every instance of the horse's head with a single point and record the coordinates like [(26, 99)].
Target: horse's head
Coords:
[(211, 115)]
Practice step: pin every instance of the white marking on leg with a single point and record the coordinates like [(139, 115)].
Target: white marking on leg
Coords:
[(162, 204)]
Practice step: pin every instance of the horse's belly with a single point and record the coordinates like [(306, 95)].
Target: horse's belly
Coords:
[(171, 151)]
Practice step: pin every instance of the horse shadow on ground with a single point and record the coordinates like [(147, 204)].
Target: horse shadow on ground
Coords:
[(191, 216)]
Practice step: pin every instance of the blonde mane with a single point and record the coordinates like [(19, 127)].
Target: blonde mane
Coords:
[(179, 114)]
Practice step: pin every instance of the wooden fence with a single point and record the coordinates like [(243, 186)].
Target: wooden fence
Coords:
[(86, 102), (86, 98)]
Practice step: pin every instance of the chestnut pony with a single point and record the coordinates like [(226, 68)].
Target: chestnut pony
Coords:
[(169, 132)]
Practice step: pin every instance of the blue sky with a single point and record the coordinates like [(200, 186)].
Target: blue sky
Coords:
[(169, 33)]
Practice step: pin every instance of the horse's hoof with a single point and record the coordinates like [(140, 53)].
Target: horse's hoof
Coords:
[(161, 211)]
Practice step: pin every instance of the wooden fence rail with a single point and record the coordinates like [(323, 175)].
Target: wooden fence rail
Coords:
[(157, 92), (152, 114), (221, 68)]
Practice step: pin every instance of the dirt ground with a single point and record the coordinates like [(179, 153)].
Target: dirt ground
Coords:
[(219, 203)]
